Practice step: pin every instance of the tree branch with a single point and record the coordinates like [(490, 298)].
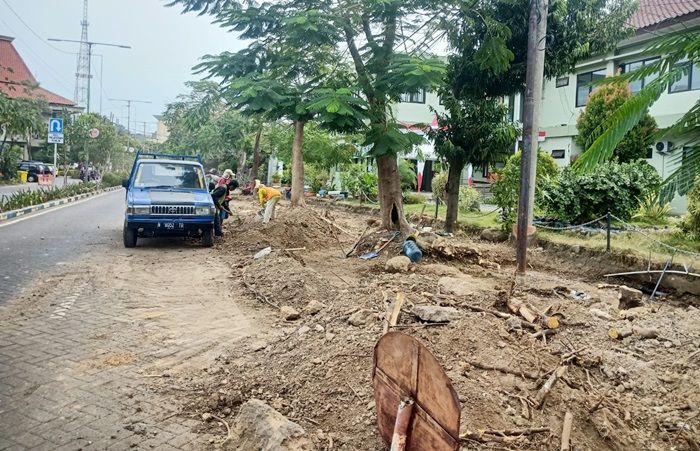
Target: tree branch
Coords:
[(360, 68), (368, 32)]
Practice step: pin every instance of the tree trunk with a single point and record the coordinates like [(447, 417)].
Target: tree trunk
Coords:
[(256, 156), (390, 196), (453, 179), (241, 165), (298, 165)]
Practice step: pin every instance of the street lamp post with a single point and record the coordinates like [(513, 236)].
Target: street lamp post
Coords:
[(89, 45)]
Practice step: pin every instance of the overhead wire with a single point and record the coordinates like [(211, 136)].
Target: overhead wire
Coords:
[(32, 30)]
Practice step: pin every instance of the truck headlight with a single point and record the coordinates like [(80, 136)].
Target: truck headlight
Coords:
[(139, 209), (205, 211)]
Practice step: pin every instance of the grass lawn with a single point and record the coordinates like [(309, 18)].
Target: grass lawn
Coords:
[(628, 242)]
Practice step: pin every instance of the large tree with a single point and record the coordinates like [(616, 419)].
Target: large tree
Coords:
[(19, 117), (106, 151), (472, 131), (383, 40)]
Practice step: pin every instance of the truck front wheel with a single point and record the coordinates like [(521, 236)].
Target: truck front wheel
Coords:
[(208, 237), (129, 236)]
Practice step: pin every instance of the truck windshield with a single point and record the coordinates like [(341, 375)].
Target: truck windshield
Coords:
[(169, 175)]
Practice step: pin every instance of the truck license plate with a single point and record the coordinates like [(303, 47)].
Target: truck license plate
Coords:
[(173, 225)]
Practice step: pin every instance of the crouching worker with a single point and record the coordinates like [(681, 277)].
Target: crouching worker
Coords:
[(268, 198), (220, 196)]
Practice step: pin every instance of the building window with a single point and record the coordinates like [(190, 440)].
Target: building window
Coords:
[(558, 153), (637, 85), (413, 97), (689, 81), (511, 107), (562, 81), (583, 85), (650, 153)]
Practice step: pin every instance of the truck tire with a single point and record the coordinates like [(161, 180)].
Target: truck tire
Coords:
[(208, 237), (130, 236)]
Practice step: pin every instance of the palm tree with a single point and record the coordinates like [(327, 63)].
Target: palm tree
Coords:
[(678, 54)]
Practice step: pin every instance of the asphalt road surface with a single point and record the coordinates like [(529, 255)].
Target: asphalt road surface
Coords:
[(38, 243)]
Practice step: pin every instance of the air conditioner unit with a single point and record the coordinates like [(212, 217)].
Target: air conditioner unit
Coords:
[(663, 147)]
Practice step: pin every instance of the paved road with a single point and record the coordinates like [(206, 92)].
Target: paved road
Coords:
[(32, 245), (80, 346), (9, 189)]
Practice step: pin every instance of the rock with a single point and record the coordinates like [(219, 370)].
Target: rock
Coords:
[(330, 336), (495, 235), (576, 249), (514, 323), (435, 314), (629, 297), (319, 328), (313, 307), (289, 313), (646, 332), (600, 314), (259, 427), (361, 317), (398, 264), (258, 345), (206, 417), (316, 361), (303, 330)]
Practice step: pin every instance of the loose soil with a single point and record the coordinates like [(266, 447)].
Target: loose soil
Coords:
[(624, 394)]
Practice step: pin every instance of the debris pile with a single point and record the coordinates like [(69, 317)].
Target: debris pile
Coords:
[(552, 362)]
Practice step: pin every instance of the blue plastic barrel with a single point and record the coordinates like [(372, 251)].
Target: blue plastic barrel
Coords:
[(412, 251)]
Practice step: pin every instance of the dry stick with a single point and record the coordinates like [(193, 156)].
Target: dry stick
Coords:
[(547, 387), (292, 249), (566, 432), (346, 282), (503, 435), (353, 390), (485, 366), (259, 295), (632, 353), (228, 428), (352, 249), (335, 225)]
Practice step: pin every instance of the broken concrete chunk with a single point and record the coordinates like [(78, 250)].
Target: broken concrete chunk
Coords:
[(634, 313), (435, 314), (494, 235), (646, 332), (600, 314), (398, 264), (259, 427), (313, 307), (289, 313), (629, 297), (361, 317)]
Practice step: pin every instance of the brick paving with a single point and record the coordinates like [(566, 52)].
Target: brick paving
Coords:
[(76, 353)]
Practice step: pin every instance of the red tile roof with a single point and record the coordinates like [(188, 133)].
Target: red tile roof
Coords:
[(16, 80), (655, 12)]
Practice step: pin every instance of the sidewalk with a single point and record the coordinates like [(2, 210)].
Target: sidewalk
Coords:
[(6, 190)]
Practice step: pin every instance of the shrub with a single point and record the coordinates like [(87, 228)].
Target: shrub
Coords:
[(604, 101), (507, 186), (26, 198), (469, 199), (113, 178), (613, 187), (407, 174), (360, 183), (651, 209), (691, 220), (8, 162), (316, 177), (413, 198), (440, 186)]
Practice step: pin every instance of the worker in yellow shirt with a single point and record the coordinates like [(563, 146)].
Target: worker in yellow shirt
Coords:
[(268, 198)]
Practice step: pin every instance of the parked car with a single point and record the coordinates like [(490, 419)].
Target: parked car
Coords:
[(34, 169), (167, 196), (51, 168)]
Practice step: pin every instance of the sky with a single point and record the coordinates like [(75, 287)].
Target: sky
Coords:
[(165, 45)]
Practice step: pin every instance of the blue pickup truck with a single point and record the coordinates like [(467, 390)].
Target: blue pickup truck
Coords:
[(166, 195)]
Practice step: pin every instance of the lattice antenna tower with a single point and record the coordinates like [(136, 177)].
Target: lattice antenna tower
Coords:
[(83, 71)]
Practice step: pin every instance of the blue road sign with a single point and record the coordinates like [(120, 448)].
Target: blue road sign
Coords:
[(56, 125)]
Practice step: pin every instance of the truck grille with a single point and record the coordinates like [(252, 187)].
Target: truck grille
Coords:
[(172, 209)]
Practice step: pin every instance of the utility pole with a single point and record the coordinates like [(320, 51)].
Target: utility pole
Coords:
[(128, 114), (89, 45), (537, 29)]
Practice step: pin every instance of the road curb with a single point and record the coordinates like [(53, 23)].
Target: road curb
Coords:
[(54, 203)]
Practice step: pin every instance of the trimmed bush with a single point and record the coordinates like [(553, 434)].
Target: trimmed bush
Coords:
[(413, 198), (26, 198), (505, 190), (113, 178), (440, 186), (469, 199), (614, 187)]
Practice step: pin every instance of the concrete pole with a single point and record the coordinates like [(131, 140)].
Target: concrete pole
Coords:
[(537, 30)]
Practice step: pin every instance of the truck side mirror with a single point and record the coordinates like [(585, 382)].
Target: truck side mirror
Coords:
[(125, 183)]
